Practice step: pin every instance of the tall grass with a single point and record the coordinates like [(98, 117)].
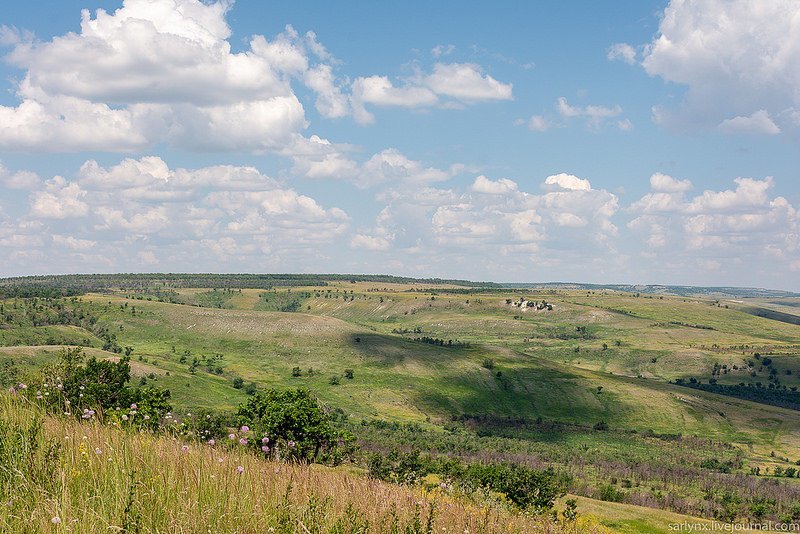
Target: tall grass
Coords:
[(60, 475)]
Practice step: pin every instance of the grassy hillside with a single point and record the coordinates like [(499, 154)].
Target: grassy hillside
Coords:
[(581, 380), (60, 475)]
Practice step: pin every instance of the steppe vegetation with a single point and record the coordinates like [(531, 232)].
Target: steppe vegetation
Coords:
[(686, 404)]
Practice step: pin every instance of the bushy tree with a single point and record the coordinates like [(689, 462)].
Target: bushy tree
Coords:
[(98, 388), (297, 426)]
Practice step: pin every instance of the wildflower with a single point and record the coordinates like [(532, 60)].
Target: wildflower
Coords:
[(220, 460), (212, 442), (265, 448), (82, 388), (134, 406), (56, 520), (22, 386), (146, 417), (231, 437), (245, 428), (240, 469), (265, 440), (291, 444), (12, 390), (243, 441), (98, 450), (185, 448), (124, 417)]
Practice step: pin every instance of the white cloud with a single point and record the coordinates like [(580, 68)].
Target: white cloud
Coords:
[(140, 211), (494, 220), (595, 116), (667, 184), (537, 123), (448, 84), (67, 241), (623, 52), (59, 200), (717, 227), (368, 242), (757, 123), (466, 82), (567, 182), (391, 166), (737, 59), (162, 71), (442, 50), (502, 186)]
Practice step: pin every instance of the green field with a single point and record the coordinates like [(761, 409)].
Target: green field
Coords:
[(598, 367)]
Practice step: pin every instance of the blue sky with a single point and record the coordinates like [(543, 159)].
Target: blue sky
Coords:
[(638, 142)]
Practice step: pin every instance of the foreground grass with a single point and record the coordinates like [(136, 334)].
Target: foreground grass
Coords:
[(59, 475)]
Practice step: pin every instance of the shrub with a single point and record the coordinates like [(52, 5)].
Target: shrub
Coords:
[(348, 373), (609, 493), (488, 363), (296, 425)]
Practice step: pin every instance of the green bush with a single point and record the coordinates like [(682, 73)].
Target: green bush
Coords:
[(297, 426)]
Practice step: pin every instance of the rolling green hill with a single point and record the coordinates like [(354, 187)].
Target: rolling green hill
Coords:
[(586, 380)]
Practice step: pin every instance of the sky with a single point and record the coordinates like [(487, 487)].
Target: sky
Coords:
[(649, 142)]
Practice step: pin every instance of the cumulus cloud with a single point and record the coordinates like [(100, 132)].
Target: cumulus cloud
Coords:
[(494, 219), (622, 52), (757, 123), (737, 59), (715, 228), (667, 184), (158, 71), (537, 123), (567, 182), (448, 83), (502, 186), (141, 211), (594, 116)]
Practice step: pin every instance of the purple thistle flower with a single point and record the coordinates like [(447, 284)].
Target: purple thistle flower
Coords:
[(231, 437), (243, 441), (245, 428), (212, 442), (291, 444), (240, 469), (265, 440), (265, 448)]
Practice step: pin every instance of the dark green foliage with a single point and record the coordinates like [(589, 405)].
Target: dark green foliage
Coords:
[(98, 387), (607, 492), (772, 396), (296, 424), (527, 488)]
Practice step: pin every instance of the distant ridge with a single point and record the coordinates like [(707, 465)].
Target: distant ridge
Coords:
[(684, 291), (103, 282)]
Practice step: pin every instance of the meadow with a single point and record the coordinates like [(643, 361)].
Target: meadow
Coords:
[(593, 383)]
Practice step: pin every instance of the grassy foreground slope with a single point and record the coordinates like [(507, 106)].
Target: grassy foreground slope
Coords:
[(59, 475)]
